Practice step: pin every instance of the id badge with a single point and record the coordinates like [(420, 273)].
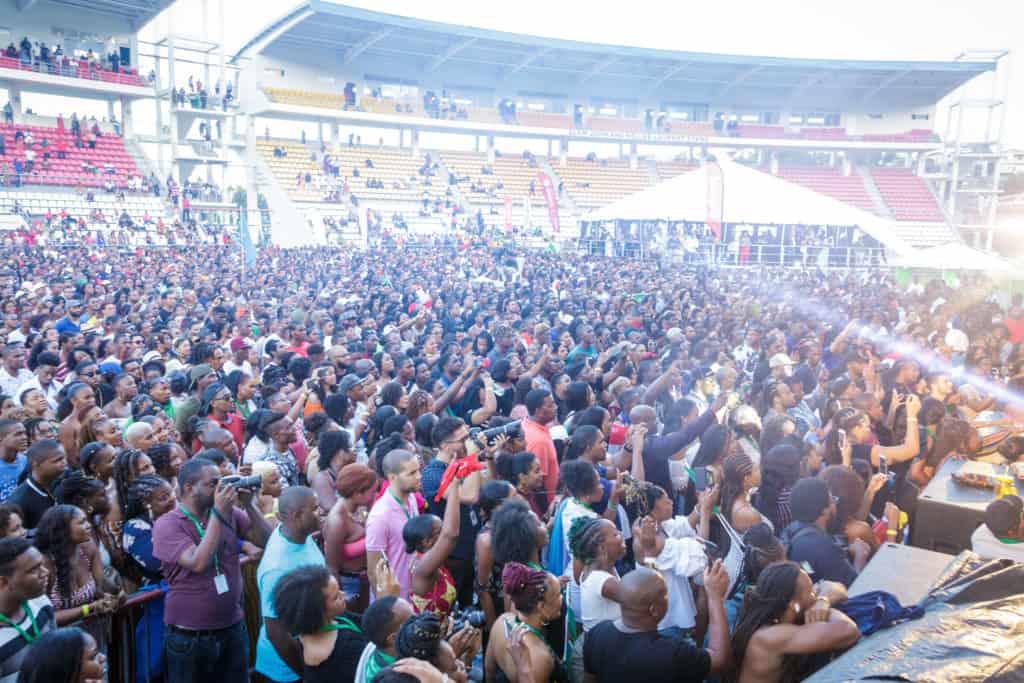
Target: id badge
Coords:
[(220, 582)]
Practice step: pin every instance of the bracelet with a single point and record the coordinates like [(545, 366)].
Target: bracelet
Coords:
[(85, 611), (891, 533)]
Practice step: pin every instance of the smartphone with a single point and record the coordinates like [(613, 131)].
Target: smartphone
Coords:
[(883, 465), (709, 477), (842, 438)]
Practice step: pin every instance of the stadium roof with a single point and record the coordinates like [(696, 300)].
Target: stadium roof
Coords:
[(396, 49), (133, 13)]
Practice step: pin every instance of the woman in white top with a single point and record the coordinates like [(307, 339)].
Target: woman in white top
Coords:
[(597, 545)]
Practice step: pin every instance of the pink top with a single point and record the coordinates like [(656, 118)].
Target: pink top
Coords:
[(384, 534)]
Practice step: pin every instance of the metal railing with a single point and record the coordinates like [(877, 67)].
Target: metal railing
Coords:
[(74, 68), (714, 253)]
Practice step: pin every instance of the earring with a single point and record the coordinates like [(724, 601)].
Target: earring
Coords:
[(796, 608)]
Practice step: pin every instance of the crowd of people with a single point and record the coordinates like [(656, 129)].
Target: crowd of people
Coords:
[(79, 63), (473, 462)]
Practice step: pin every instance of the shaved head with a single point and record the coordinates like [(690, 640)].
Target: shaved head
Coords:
[(643, 595), (292, 499), (643, 414), (394, 460)]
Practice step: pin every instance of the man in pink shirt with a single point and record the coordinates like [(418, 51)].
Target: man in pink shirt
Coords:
[(388, 517), (541, 406)]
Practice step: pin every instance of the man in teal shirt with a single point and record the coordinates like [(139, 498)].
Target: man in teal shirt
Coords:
[(278, 657)]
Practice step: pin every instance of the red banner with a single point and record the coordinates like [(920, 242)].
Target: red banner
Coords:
[(716, 194), (508, 213), (551, 197)]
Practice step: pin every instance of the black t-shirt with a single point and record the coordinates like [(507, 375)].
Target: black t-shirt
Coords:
[(469, 519), (33, 504), (650, 657), (818, 553)]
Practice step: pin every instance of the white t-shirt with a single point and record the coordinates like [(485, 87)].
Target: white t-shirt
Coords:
[(984, 542), (681, 559), (570, 511), (595, 607)]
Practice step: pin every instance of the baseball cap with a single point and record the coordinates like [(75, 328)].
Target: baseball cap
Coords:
[(239, 343), (198, 372), (347, 382), (779, 360), (808, 499), (1003, 516)]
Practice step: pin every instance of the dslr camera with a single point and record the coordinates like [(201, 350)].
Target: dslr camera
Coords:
[(468, 617), (238, 482), (485, 437)]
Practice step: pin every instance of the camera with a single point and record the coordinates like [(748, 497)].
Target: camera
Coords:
[(513, 430), (253, 482), (468, 617)]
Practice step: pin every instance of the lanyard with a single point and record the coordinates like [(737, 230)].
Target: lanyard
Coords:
[(202, 532), (21, 632), (402, 504), (341, 624), (540, 635), (582, 504)]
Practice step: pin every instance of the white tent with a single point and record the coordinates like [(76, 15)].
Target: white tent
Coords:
[(955, 256), (748, 197)]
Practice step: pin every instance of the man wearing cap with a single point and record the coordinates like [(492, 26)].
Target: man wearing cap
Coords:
[(13, 373), (239, 356), (71, 323), (1001, 537), (808, 541)]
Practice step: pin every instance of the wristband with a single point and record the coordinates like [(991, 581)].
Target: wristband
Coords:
[(85, 611), (891, 533)]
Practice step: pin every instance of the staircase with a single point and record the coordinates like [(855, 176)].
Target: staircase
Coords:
[(881, 208), (149, 169), (288, 227), (568, 211)]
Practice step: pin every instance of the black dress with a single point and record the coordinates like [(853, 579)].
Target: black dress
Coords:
[(343, 661)]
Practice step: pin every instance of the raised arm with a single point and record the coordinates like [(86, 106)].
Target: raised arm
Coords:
[(435, 557)]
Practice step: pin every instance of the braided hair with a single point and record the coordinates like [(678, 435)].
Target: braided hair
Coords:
[(53, 538), (760, 549), (641, 496), (524, 585), (140, 491), (75, 488), (765, 604), (585, 538), (420, 637), (735, 468), (124, 473)]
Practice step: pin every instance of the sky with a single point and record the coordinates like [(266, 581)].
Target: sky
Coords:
[(869, 29)]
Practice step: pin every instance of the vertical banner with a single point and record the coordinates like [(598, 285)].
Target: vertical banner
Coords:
[(716, 196), (528, 218), (508, 213), (245, 238), (551, 197)]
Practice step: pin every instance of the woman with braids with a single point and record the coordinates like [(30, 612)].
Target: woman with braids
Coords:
[(311, 605), (97, 461), (522, 470), (851, 437), (432, 540), (91, 497), (739, 477), (853, 503), (105, 431), (128, 465), (784, 622), (518, 650), (75, 581), (487, 573), (597, 545), (167, 460), (79, 399), (243, 388), (422, 637)]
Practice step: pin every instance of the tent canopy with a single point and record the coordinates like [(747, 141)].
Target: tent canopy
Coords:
[(955, 256), (748, 197)]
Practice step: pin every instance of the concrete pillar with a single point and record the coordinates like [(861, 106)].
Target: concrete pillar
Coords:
[(550, 146), (127, 123), (773, 162), (634, 159), (111, 110), (490, 149), (919, 163), (14, 94), (133, 47), (335, 133), (846, 165), (415, 143), (220, 46), (832, 160), (563, 152)]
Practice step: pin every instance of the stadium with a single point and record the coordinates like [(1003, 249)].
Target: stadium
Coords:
[(327, 346), (535, 138)]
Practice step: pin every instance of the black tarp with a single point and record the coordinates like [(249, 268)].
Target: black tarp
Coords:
[(972, 631)]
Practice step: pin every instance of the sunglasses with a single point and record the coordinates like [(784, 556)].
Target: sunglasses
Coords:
[(87, 374)]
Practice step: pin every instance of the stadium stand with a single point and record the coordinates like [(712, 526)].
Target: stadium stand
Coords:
[(513, 173), (594, 183), (85, 166), (831, 182), (540, 119), (305, 98), (907, 195), (29, 56)]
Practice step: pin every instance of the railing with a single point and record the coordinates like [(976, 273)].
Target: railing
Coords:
[(118, 179), (74, 68), (714, 253)]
